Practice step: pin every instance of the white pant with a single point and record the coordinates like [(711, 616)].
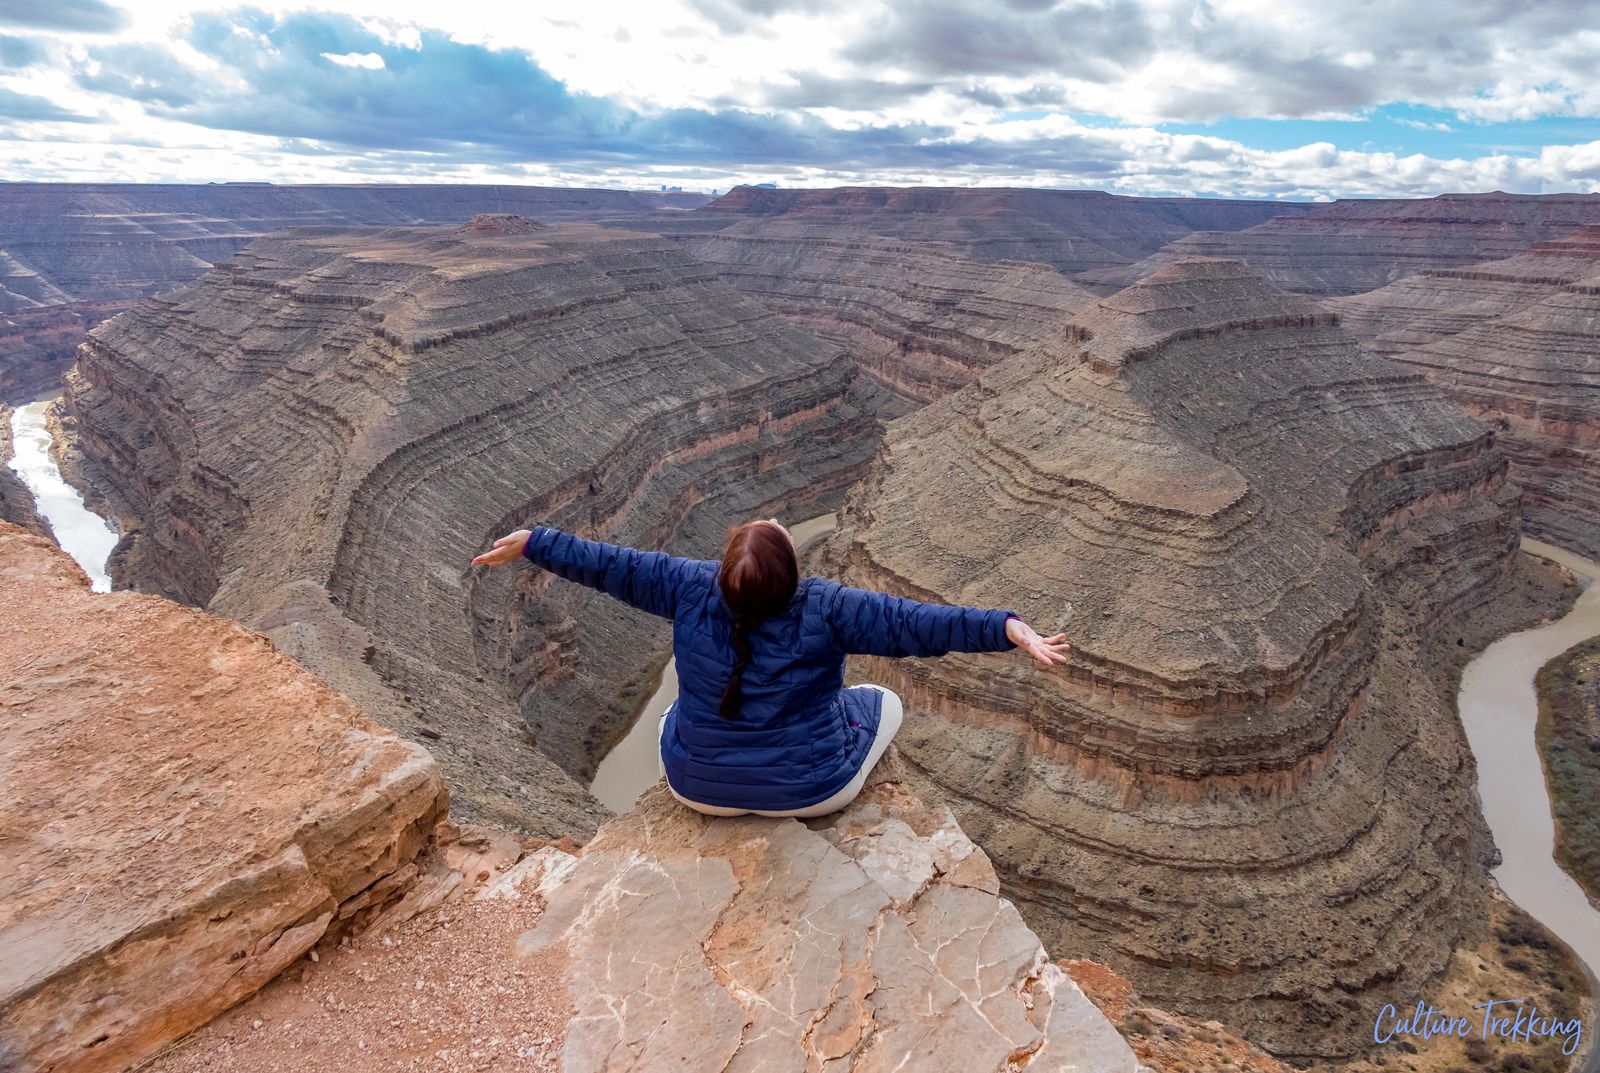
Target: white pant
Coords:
[(888, 724)]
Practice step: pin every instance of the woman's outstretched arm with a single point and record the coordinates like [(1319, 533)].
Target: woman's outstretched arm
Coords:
[(648, 580), (880, 624)]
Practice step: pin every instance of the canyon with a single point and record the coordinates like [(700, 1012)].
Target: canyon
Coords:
[(1272, 524), (74, 254), (17, 504), (316, 437), (1516, 343), (926, 288), (1242, 793)]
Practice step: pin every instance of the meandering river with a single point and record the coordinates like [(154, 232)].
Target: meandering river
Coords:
[(629, 769), (1499, 709), (82, 534)]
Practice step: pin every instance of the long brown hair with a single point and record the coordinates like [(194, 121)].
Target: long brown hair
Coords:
[(758, 578)]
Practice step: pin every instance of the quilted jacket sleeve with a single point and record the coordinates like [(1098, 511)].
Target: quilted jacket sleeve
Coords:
[(879, 624), (648, 580)]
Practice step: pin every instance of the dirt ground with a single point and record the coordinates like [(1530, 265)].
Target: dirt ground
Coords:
[(441, 992)]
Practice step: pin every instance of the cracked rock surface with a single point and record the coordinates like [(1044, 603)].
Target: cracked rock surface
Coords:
[(186, 812), (872, 939)]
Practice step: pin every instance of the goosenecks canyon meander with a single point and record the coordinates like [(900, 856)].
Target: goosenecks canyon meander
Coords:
[(1267, 465)]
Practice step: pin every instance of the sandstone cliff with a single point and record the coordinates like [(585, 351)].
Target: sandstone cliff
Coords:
[(1353, 246), (316, 437), (185, 813), (1243, 793), (73, 254), (1516, 343)]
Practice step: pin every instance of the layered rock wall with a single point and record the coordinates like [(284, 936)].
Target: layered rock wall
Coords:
[(1352, 246), (926, 288), (1516, 343), (186, 812), (1237, 793), (920, 318), (73, 254), (316, 437)]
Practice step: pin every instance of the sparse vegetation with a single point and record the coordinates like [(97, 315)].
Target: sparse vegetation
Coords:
[(1569, 741)]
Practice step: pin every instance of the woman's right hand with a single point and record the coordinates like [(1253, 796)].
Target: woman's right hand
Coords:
[(1047, 650), (508, 549)]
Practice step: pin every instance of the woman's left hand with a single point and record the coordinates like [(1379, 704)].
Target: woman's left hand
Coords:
[(508, 549), (1047, 650)]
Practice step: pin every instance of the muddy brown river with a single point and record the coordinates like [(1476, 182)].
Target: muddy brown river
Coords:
[(1499, 710)]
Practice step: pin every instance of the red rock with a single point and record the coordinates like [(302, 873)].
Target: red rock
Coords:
[(186, 812)]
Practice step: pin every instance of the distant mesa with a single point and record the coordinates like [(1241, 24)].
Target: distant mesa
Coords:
[(1257, 525), (502, 223)]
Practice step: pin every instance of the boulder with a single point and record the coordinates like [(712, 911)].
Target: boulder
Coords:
[(186, 812)]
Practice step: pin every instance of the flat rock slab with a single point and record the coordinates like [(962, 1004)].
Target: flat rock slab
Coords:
[(186, 811), (873, 939)]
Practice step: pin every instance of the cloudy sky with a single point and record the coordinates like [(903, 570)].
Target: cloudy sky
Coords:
[(1241, 98)]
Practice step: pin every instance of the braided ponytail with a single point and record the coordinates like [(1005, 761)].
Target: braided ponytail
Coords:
[(759, 576), (741, 647)]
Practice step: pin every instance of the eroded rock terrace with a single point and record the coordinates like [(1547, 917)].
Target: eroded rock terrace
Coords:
[(1241, 793)]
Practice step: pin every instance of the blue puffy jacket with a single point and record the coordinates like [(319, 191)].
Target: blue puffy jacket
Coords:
[(799, 736)]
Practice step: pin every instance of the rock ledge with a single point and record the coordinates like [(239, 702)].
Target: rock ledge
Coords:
[(873, 939)]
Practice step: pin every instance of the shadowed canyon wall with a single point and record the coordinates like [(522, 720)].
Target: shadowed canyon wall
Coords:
[(316, 437), (1242, 793), (73, 254), (1353, 246), (1516, 342)]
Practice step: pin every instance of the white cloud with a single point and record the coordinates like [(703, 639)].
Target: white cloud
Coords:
[(937, 78), (371, 61), (1422, 124)]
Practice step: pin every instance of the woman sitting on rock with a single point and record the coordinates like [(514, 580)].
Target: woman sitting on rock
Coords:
[(762, 722)]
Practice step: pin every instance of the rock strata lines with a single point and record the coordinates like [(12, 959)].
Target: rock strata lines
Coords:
[(1239, 794), (73, 254), (1516, 343), (317, 436), (927, 288), (1353, 246)]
